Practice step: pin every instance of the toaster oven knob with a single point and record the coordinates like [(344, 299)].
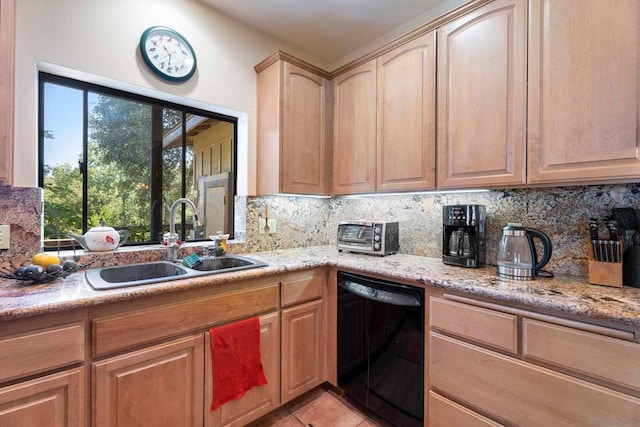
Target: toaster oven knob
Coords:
[(376, 238), (376, 230), (376, 246)]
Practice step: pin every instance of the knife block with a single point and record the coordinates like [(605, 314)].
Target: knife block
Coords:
[(604, 273)]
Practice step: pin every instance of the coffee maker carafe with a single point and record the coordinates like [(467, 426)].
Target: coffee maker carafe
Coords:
[(463, 235)]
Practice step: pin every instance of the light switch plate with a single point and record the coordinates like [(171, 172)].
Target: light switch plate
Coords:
[(5, 236), (272, 225)]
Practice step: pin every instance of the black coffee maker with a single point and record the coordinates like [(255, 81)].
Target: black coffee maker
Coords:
[(463, 235), (631, 263)]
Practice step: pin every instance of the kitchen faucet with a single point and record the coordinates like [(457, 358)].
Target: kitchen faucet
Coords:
[(172, 241)]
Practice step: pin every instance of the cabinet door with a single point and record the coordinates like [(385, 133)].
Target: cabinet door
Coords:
[(155, 386), (259, 400), (406, 116), (303, 349), (481, 97), (583, 91), (303, 142), (354, 132), (7, 25), (56, 400)]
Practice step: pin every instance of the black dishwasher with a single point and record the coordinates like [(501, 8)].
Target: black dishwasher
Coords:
[(381, 347)]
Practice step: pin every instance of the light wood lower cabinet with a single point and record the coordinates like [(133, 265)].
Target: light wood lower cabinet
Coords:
[(486, 327), (160, 385), (521, 368), (41, 350), (303, 349), (446, 413), (523, 394), (259, 400), (56, 400), (590, 354), (171, 384)]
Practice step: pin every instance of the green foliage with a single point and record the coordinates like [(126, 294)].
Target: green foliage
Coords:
[(119, 172), (63, 195)]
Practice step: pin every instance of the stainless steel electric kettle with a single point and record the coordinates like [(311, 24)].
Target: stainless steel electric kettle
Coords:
[(517, 256)]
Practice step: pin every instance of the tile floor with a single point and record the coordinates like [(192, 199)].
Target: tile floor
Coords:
[(321, 407)]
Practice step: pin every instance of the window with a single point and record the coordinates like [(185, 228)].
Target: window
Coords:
[(122, 159)]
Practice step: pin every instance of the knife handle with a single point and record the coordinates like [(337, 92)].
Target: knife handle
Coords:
[(593, 228), (612, 226)]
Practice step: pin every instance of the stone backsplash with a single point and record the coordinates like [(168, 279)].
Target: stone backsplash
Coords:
[(21, 208), (560, 212)]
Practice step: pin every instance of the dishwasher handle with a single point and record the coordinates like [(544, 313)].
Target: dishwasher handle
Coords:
[(382, 295)]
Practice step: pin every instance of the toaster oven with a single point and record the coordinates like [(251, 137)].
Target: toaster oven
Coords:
[(368, 237)]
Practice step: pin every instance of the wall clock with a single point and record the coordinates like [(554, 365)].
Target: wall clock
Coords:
[(168, 54)]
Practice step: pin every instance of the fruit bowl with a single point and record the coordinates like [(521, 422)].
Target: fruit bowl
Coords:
[(36, 274)]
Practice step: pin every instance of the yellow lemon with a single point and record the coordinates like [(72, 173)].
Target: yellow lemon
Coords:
[(45, 260), (38, 258)]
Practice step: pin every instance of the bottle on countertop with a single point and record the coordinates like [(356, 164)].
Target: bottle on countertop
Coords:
[(220, 243)]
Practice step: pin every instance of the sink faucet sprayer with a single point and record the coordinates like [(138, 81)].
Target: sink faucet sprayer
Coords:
[(172, 242)]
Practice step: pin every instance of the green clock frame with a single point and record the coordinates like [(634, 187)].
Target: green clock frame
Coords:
[(155, 35)]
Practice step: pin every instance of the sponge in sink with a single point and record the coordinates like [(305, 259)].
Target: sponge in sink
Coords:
[(192, 261)]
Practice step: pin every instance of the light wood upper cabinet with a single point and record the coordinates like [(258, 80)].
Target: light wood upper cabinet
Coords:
[(292, 127), (7, 37), (406, 116), (481, 97), (354, 131), (384, 122), (584, 74)]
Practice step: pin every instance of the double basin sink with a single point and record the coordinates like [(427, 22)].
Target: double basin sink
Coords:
[(121, 276)]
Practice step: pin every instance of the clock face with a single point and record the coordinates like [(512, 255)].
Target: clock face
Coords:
[(168, 54)]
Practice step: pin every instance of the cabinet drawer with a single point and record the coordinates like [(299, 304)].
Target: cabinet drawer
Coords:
[(484, 326), (523, 394), (446, 413), (599, 356), (302, 289), (119, 332), (42, 350)]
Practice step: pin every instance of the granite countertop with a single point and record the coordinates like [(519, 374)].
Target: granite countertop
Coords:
[(568, 294)]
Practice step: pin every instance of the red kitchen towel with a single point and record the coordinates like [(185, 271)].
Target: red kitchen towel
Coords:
[(236, 360)]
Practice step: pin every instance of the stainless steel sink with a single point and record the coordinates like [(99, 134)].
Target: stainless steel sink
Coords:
[(121, 276), (228, 263)]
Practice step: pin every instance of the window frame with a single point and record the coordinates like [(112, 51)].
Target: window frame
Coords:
[(86, 87)]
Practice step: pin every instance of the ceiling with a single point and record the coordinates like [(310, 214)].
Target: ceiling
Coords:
[(327, 29)]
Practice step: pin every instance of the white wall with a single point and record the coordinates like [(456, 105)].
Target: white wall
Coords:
[(99, 38)]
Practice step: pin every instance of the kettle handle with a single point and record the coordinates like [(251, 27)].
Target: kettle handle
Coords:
[(546, 247)]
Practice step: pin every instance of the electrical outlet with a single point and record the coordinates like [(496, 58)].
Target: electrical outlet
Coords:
[(267, 227), (5, 236)]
